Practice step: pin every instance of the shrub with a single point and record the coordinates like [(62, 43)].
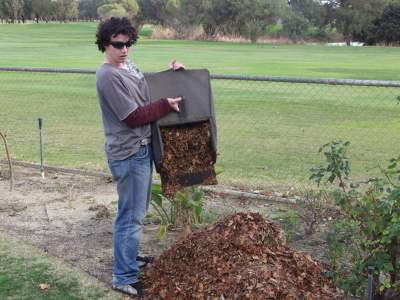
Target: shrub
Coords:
[(178, 32), (274, 31), (160, 32), (367, 232), (313, 208), (146, 30), (295, 26)]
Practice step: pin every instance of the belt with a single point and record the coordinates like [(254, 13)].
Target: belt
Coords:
[(145, 141)]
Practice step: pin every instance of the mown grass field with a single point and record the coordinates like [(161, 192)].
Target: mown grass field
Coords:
[(72, 46), (268, 133)]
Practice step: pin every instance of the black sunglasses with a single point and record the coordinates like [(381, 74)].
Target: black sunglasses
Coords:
[(120, 45)]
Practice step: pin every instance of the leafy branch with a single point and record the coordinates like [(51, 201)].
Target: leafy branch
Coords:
[(337, 165)]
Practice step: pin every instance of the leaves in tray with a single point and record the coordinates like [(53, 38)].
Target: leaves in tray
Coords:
[(187, 151)]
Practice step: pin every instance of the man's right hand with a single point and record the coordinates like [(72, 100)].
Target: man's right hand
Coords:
[(174, 103), (176, 66)]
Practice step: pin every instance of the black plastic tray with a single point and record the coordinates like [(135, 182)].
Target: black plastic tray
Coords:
[(197, 105)]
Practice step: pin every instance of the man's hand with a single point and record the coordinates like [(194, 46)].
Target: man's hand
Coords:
[(176, 66), (174, 103)]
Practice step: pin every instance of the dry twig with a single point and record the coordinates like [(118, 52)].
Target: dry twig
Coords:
[(3, 136)]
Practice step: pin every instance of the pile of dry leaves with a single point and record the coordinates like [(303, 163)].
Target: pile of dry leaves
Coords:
[(188, 157), (242, 257)]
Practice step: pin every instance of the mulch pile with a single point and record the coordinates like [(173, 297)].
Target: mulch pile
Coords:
[(242, 257), (188, 157)]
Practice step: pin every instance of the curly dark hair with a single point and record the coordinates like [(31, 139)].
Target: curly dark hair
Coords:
[(112, 27)]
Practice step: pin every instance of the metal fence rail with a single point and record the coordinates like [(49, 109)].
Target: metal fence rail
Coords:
[(269, 128), (380, 83)]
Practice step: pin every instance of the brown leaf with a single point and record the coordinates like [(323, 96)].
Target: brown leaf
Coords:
[(44, 286), (163, 293)]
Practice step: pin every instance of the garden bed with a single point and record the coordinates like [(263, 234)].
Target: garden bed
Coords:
[(71, 216)]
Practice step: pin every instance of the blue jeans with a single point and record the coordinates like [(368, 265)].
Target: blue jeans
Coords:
[(133, 179)]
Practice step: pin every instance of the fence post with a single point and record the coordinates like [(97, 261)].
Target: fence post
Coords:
[(370, 290)]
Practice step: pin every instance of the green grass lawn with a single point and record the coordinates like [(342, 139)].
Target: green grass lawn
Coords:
[(268, 133), (72, 46), (23, 269)]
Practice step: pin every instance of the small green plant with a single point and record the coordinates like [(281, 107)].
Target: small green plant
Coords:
[(186, 208), (367, 233), (289, 221)]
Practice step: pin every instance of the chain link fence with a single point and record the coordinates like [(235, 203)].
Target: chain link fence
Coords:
[(269, 128)]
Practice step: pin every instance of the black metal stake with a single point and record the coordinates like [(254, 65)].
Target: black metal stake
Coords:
[(370, 290), (41, 147)]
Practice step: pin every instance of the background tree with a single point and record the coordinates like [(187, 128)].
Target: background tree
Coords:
[(152, 11), (312, 10), (350, 17), (215, 14), (295, 25), (111, 10), (173, 11), (246, 18), (131, 7), (296, 19), (192, 11), (27, 10), (88, 8), (64, 10), (183, 16), (119, 8), (12, 9), (254, 15), (40, 9), (385, 29)]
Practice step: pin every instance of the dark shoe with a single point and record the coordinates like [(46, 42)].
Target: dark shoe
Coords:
[(133, 289), (143, 261)]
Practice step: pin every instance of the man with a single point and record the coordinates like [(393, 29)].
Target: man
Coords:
[(127, 113)]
